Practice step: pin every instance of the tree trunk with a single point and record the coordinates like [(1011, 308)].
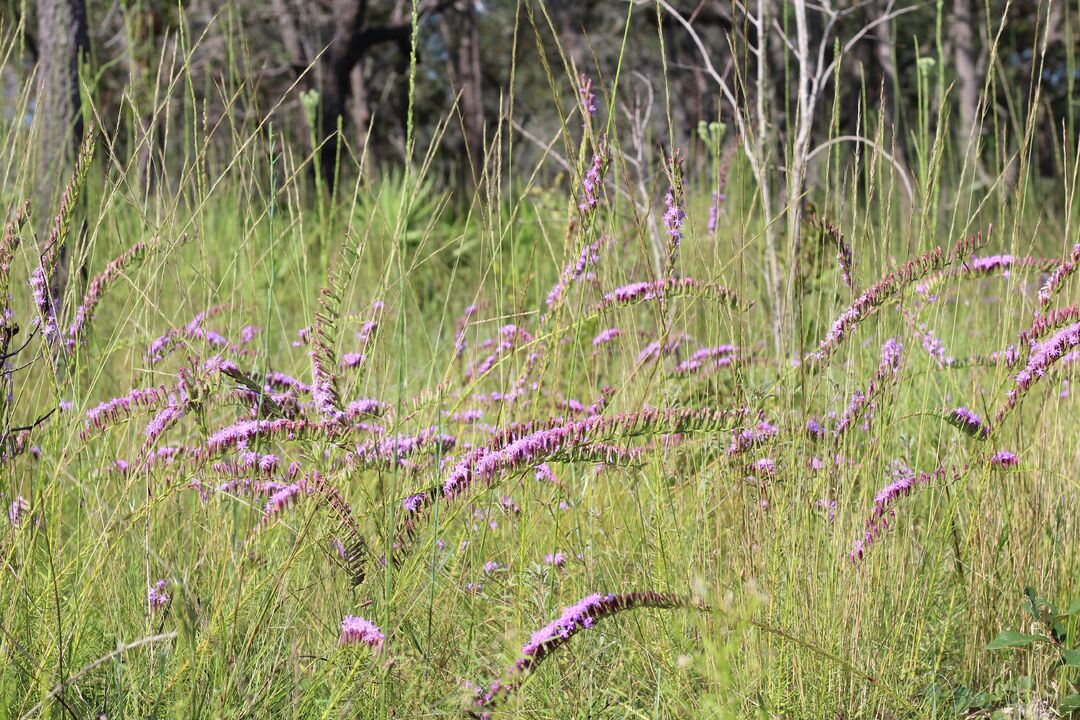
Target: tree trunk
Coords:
[(352, 39), (62, 41), (963, 33)]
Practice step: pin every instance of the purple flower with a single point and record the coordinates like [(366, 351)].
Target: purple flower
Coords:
[(674, 216), (585, 92), (606, 336), (829, 506), (281, 500), (967, 421), (575, 618), (1059, 276), (156, 596), (356, 630), (351, 360), (593, 183), (20, 506), (1004, 458), (491, 566), (555, 559), (1042, 357), (544, 473), (905, 482)]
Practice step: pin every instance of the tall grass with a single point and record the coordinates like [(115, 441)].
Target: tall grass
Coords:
[(726, 503)]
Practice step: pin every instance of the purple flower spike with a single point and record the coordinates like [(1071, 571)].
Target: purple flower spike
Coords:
[(18, 510), (968, 422), (1004, 458), (156, 596), (355, 630)]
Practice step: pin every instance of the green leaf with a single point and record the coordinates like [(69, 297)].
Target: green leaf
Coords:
[(1013, 639), (1070, 703), (1071, 657), (1074, 608)]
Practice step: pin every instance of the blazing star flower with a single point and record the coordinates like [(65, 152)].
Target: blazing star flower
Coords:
[(1004, 458), (674, 216), (886, 288), (585, 92), (356, 630), (1059, 276), (829, 506), (556, 559), (156, 596), (580, 616), (905, 482), (1039, 362), (606, 336), (967, 421), (351, 360), (544, 473), (20, 506), (592, 185)]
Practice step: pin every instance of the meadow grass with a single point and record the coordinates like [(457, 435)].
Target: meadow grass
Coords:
[(775, 618)]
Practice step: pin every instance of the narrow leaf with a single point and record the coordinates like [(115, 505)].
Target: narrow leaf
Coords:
[(1071, 657)]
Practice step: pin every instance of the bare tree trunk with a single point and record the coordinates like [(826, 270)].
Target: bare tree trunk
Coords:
[(884, 53), (461, 35), (62, 41), (352, 39), (359, 111), (796, 172), (963, 34), (772, 267)]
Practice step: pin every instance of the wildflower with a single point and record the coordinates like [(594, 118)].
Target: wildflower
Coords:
[(556, 559), (674, 216), (161, 422), (666, 288), (593, 183), (606, 336), (905, 482), (575, 618), (585, 92), (544, 473), (281, 500), (765, 467), (156, 597), (829, 506), (491, 566), (967, 421), (886, 288), (1004, 458), (1059, 276), (356, 630), (718, 199), (20, 506), (351, 360), (1040, 360)]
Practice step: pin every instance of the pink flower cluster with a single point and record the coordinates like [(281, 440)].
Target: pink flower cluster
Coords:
[(905, 482), (580, 616), (117, 409), (1053, 284), (156, 597), (968, 422), (1039, 361), (606, 336), (18, 509), (356, 630), (711, 357), (668, 287)]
